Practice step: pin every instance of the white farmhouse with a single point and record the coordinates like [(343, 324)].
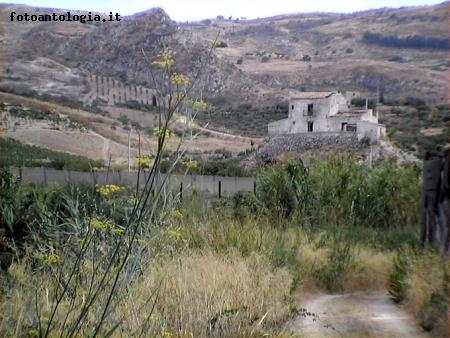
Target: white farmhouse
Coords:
[(327, 112)]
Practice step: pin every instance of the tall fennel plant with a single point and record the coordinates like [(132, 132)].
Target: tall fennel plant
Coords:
[(93, 278)]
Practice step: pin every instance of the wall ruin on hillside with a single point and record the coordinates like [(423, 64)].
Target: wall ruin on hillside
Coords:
[(113, 91)]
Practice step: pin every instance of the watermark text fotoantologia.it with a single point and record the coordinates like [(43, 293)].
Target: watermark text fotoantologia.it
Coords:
[(67, 17)]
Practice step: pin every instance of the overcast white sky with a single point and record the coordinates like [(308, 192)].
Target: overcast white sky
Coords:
[(183, 10)]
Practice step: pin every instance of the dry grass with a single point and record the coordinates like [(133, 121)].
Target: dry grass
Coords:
[(371, 272), (200, 295), (374, 274), (425, 279), (208, 294)]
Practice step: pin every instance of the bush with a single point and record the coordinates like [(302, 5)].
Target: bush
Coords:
[(397, 279), (434, 311), (415, 102), (412, 41), (348, 193), (124, 119), (340, 263), (245, 204), (395, 58), (361, 102), (284, 189), (339, 191), (220, 44), (229, 167)]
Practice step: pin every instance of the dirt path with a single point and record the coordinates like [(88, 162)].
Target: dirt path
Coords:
[(354, 315)]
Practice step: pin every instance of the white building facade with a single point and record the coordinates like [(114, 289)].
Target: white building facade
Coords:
[(316, 112)]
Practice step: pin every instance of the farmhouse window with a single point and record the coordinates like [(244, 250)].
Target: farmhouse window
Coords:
[(310, 126), (292, 107), (351, 127), (310, 109)]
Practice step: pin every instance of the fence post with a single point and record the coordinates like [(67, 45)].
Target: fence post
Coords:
[(181, 191), (94, 179), (254, 187), (45, 176), (220, 189)]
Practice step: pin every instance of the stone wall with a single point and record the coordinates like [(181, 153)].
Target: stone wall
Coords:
[(306, 142)]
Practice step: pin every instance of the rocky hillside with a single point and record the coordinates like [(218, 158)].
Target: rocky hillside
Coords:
[(403, 52), (56, 58), (256, 65), (260, 61)]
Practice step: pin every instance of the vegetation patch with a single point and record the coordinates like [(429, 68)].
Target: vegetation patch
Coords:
[(16, 154), (229, 267), (412, 41)]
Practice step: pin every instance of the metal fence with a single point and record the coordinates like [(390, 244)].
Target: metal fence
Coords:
[(218, 186)]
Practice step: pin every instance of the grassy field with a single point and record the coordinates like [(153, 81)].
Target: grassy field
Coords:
[(16, 154), (233, 267)]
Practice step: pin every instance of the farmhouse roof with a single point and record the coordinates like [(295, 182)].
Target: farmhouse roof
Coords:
[(312, 95), (353, 112)]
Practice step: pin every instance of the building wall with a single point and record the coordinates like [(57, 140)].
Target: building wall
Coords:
[(373, 131), (297, 121), (299, 115), (335, 122), (325, 118)]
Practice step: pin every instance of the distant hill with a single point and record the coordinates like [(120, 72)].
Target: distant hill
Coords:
[(298, 52), (56, 58), (402, 52), (256, 65)]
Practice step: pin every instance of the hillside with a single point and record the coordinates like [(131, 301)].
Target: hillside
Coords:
[(271, 53), (322, 51), (256, 67), (57, 59)]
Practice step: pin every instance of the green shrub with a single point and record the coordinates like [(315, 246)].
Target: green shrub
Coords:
[(361, 102), (348, 193), (220, 44), (245, 204), (227, 167), (397, 279), (436, 307), (340, 263), (283, 189), (415, 102)]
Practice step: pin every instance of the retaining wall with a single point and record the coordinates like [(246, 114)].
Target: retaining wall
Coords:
[(206, 185), (301, 142)]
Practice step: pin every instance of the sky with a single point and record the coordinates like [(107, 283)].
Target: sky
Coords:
[(193, 10)]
